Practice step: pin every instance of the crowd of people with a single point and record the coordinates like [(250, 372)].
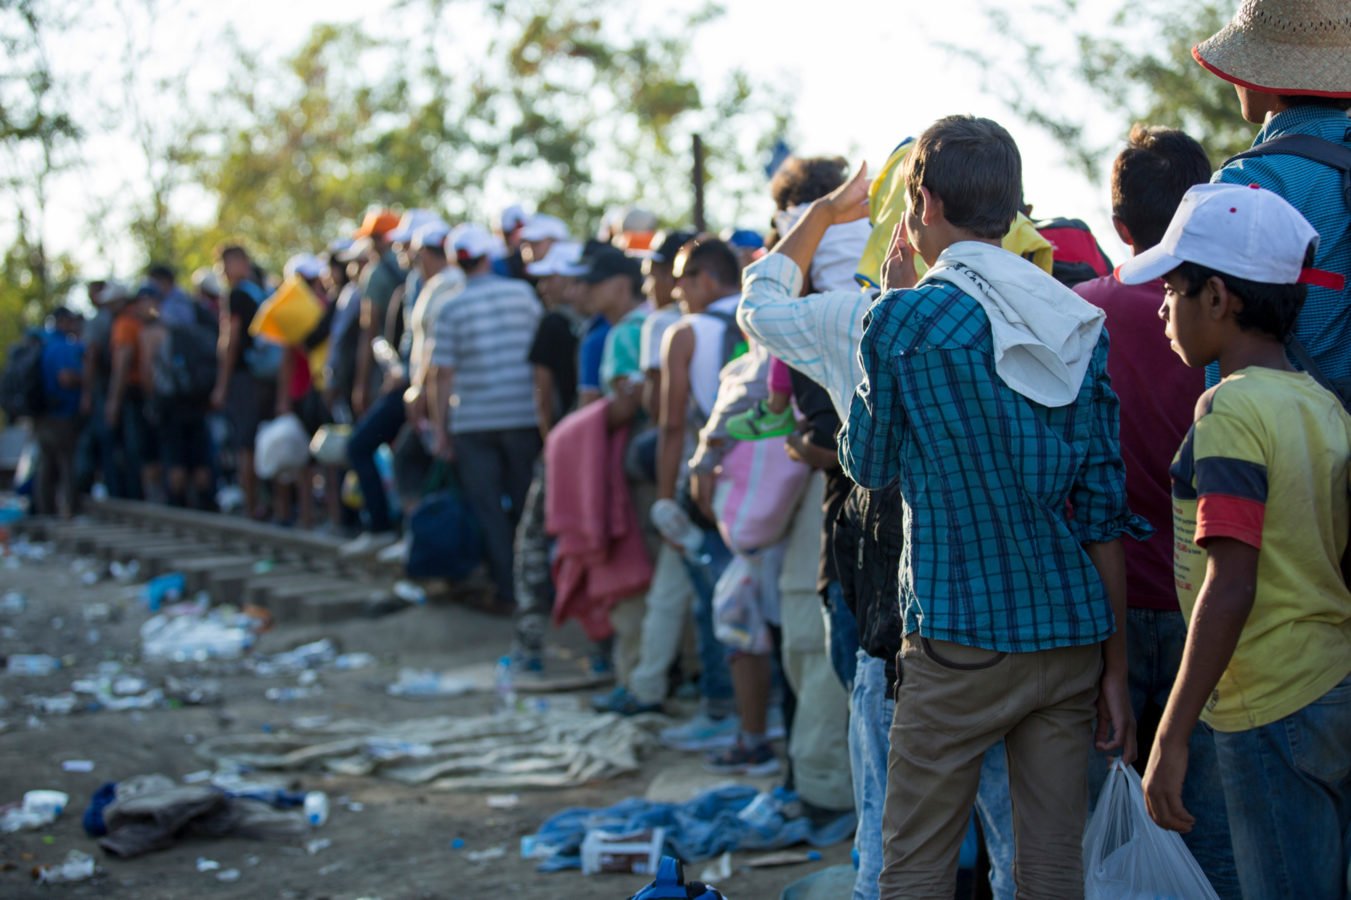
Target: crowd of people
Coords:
[(875, 481)]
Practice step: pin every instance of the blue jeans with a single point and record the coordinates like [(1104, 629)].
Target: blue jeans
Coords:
[(842, 635), (995, 809), (1154, 641), (380, 425), (1288, 787), (870, 715), (715, 682)]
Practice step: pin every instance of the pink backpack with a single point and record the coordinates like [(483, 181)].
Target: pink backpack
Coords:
[(757, 492)]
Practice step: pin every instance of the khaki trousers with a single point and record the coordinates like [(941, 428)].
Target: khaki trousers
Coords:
[(954, 703)]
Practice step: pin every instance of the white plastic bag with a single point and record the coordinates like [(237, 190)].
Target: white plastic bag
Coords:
[(738, 620), (281, 446), (1128, 857)]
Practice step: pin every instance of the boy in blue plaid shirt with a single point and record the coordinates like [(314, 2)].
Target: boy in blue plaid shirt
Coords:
[(985, 392)]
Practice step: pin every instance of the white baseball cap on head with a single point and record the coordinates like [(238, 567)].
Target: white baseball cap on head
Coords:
[(543, 227), (470, 241), (408, 225), (306, 265), (563, 258), (1246, 232), (429, 234)]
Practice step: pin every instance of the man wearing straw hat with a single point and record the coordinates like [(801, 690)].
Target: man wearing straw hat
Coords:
[(1290, 62)]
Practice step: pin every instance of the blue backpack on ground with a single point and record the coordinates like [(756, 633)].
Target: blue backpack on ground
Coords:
[(445, 538), (670, 885)]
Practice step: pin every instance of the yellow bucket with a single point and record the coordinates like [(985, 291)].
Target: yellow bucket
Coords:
[(289, 315)]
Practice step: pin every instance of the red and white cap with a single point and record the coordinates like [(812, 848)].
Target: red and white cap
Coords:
[(1246, 232)]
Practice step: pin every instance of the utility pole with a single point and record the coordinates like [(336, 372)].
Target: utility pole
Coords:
[(699, 224)]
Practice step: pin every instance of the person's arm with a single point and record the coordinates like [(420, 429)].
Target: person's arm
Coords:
[(1116, 717), (361, 380), (284, 372), (1222, 608), (676, 353), (544, 399), (87, 381), (442, 380), (117, 384), (625, 402), (231, 334)]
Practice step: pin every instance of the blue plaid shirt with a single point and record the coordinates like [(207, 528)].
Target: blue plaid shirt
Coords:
[(1000, 492), (1324, 324)]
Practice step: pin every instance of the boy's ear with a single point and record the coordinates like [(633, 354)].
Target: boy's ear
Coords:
[(931, 208), (1219, 302), (1123, 232)]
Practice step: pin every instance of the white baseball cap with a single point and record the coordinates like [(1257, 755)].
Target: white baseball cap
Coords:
[(408, 226), (1246, 232), (429, 234), (470, 241), (563, 258), (513, 217), (543, 227), (306, 265)]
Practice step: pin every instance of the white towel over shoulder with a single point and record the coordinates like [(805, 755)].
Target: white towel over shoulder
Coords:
[(1043, 332)]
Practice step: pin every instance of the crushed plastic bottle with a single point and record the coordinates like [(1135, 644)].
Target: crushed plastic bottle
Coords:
[(429, 683), (504, 685), (77, 866), (316, 808), (32, 664)]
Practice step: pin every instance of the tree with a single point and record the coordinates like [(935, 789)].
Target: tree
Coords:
[(1134, 64)]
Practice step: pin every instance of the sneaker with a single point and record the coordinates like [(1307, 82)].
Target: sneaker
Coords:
[(622, 702), (366, 543), (758, 423), (703, 733), (740, 759), (396, 552)]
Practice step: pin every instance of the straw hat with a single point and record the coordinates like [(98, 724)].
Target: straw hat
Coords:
[(1284, 47)]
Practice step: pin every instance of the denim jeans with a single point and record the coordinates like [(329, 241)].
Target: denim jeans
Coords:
[(1154, 641), (1288, 788), (870, 714), (842, 635), (715, 682), (995, 810), (380, 425)]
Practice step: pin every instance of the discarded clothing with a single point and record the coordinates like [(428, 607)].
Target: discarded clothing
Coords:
[(153, 813), (523, 750), (701, 828)]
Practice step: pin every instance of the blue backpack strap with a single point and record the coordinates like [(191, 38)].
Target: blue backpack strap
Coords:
[(669, 883), (1310, 147)]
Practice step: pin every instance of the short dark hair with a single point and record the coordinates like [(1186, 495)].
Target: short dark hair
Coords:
[(709, 254), (973, 166), (232, 250), (1342, 103), (160, 272), (1268, 308), (1150, 176), (802, 179)]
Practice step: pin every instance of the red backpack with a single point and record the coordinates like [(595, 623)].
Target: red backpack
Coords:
[(1077, 256)]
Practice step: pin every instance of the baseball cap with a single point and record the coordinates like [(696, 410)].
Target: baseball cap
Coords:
[(563, 258), (668, 244), (543, 227), (378, 222), (149, 289), (412, 220), (113, 291), (745, 239), (470, 241), (607, 262), (430, 234), (306, 265), (205, 280), (1246, 232), (513, 217)]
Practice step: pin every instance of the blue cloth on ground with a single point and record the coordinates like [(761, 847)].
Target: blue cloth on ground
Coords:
[(698, 829)]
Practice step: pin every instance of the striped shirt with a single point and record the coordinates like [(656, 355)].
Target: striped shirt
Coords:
[(818, 334), (1000, 492), (484, 334), (1324, 323)]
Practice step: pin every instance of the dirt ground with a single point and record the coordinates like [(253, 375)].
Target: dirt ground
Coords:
[(400, 842)]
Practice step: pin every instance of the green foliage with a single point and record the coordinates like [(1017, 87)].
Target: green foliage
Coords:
[(1136, 65)]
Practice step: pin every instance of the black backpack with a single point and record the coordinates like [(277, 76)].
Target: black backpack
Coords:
[(867, 541), (184, 367), (21, 390), (734, 343), (1334, 156)]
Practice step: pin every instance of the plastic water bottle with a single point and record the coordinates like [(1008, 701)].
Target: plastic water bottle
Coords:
[(32, 664), (504, 686), (316, 808)]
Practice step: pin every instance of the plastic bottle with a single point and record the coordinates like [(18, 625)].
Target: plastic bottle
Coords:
[(32, 664), (504, 686), (316, 808), (675, 525)]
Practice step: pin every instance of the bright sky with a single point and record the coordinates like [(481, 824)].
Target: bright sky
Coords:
[(863, 74)]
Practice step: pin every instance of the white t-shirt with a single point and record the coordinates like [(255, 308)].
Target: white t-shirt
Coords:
[(422, 319), (654, 329), (706, 364)]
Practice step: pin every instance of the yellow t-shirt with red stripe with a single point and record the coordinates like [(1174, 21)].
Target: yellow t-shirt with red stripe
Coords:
[(1268, 462)]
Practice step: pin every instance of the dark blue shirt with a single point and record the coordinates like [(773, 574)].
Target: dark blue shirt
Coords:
[(1000, 492), (592, 349), (60, 354), (1324, 324)]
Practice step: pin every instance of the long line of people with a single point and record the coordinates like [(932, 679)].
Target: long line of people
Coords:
[(874, 483)]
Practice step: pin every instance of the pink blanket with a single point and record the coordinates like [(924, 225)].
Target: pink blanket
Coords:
[(600, 557)]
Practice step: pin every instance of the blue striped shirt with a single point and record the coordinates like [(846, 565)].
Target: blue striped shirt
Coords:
[(1324, 324), (1000, 492)]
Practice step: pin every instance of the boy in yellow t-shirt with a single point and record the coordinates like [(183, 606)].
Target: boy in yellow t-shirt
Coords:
[(1261, 489)]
